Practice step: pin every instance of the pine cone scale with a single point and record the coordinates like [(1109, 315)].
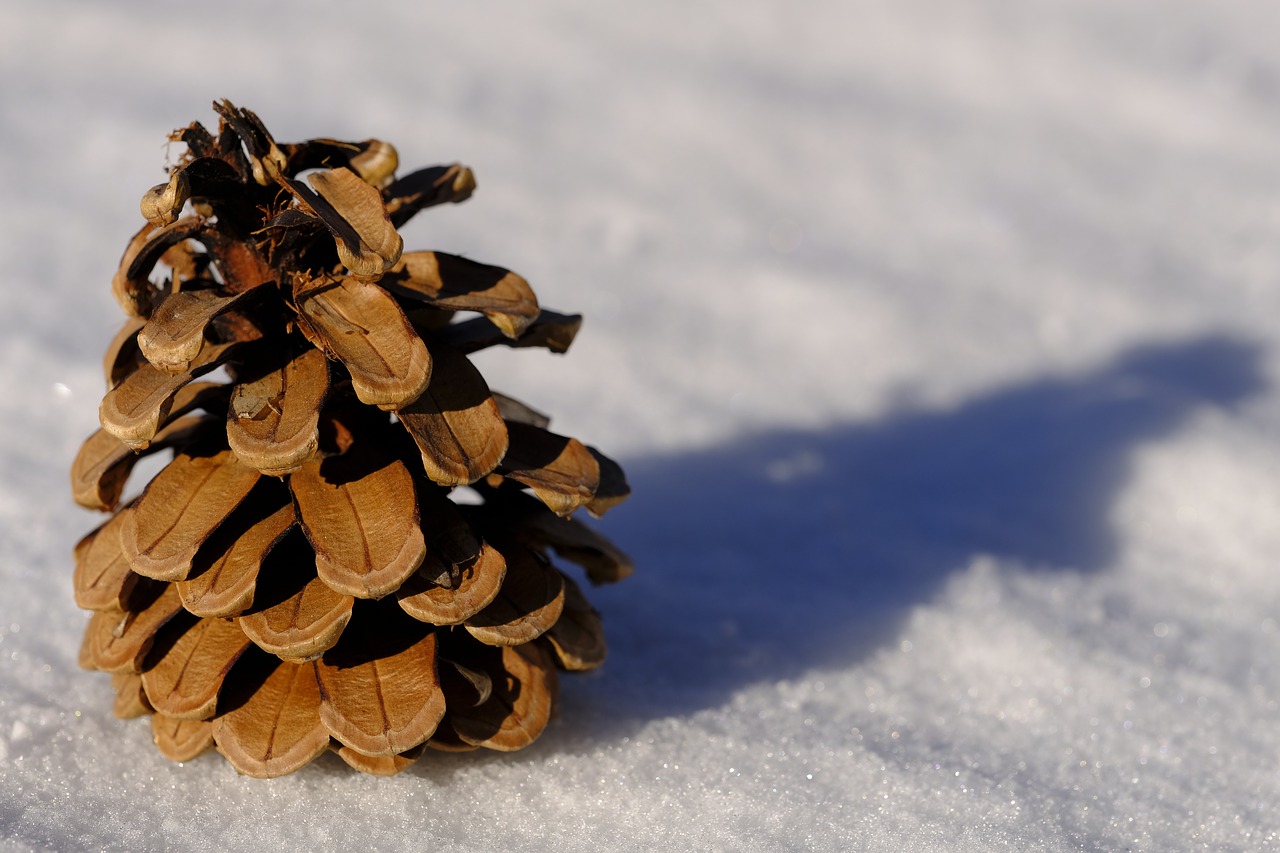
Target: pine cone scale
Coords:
[(181, 740), (174, 333), (303, 624), (274, 725), (103, 577), (360, 513), (185, 673), (377, 703), (122, 639), (428, 601), (224, 576), (274, 422), (527, 605), (456, 422), (180, 509), (458, 284), (362, 326)]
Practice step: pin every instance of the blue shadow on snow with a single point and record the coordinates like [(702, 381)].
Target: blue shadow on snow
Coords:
[(790, 550)]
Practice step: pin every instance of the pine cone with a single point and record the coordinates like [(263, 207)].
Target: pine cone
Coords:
[(300, 576)]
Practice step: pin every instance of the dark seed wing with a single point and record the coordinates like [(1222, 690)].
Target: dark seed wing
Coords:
[(549, 331), (132, 289), (514, 411), (427, 187), (613, 488)]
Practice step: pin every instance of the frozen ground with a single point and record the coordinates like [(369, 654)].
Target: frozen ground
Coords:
[(939, 338)]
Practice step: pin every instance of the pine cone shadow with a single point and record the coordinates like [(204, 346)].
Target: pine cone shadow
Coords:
[(790, 550)]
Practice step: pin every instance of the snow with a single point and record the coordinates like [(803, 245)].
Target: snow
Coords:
[(938, 338)]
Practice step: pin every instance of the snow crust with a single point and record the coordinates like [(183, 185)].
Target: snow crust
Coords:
[(938, 338)]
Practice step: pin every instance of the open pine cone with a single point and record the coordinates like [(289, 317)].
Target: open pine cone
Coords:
[(298, 577)]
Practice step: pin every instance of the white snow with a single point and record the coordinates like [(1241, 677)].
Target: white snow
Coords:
[(938, 337)]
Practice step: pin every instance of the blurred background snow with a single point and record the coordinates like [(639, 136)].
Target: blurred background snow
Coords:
[(938, 338)]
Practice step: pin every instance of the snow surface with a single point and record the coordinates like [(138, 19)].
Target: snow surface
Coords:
[(939, 339)]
